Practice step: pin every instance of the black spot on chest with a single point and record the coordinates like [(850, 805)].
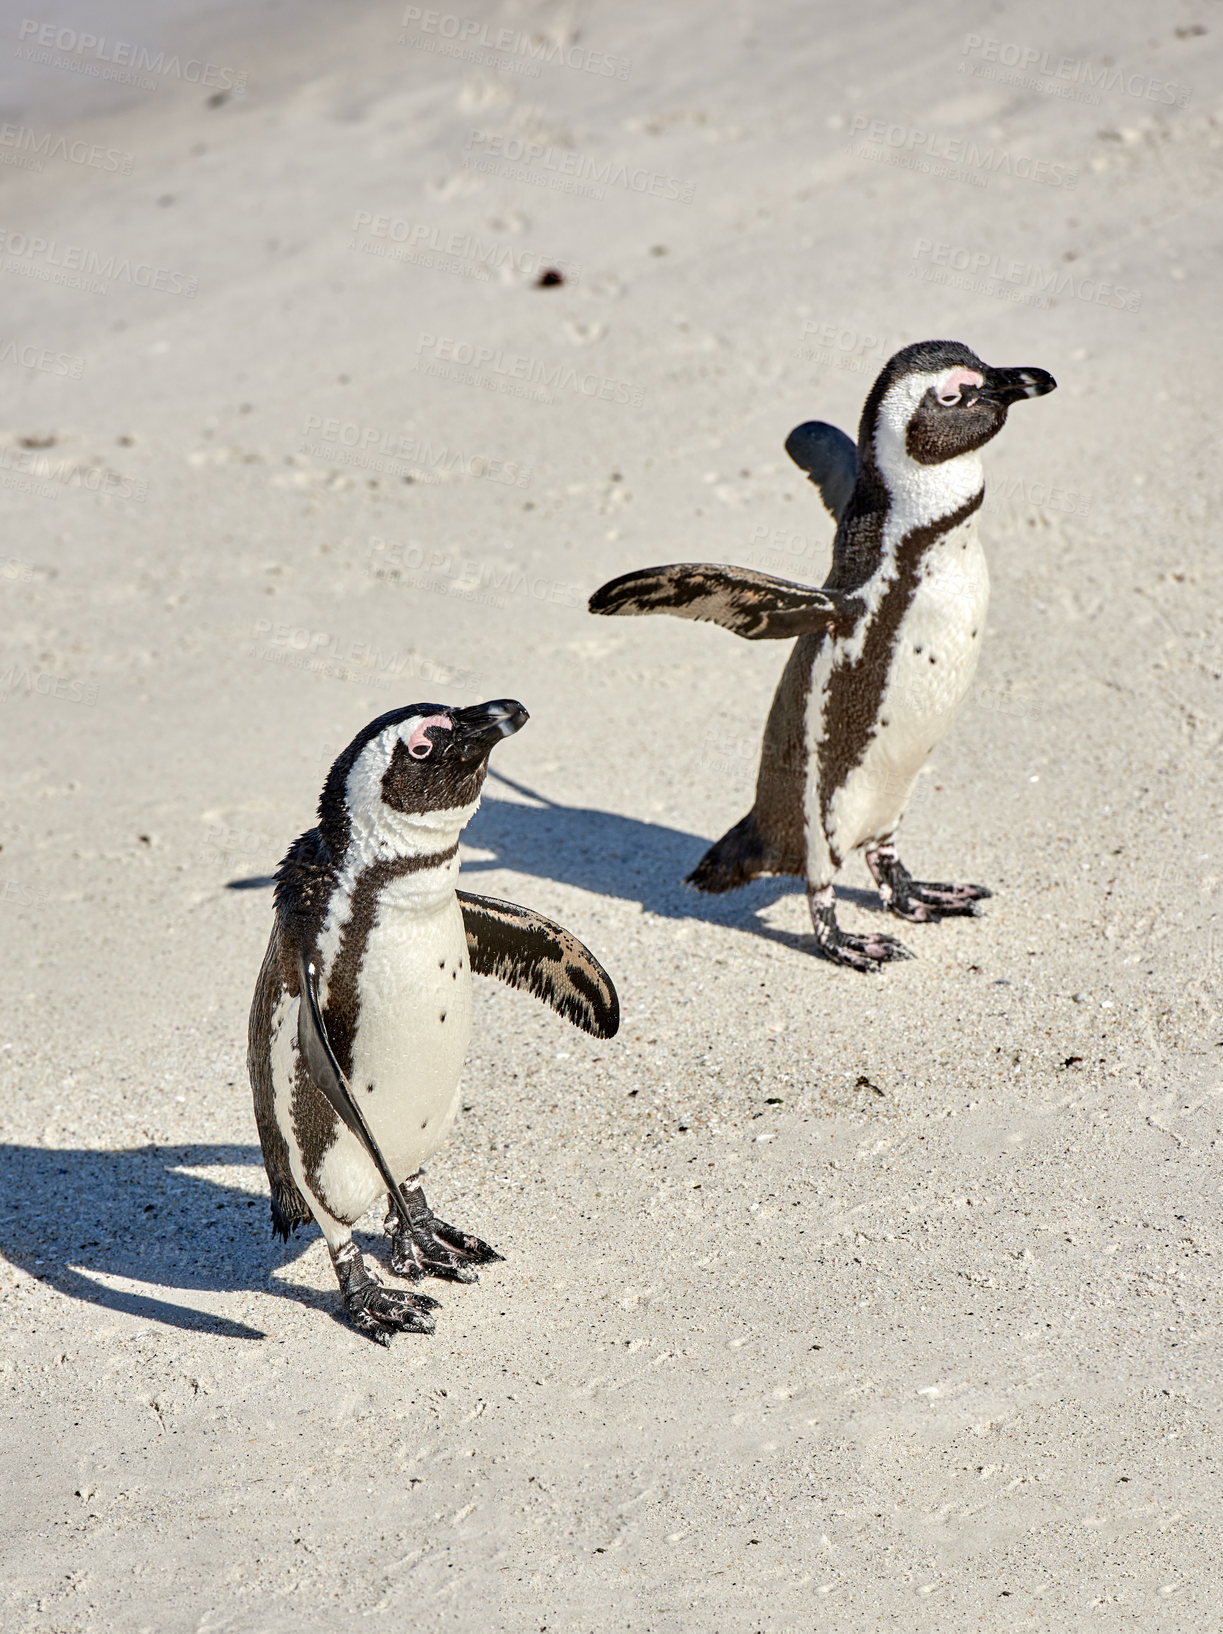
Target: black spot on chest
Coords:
[(855, 690), (343, 981)]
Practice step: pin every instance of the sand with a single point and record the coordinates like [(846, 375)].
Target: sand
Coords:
[(826, 1302)]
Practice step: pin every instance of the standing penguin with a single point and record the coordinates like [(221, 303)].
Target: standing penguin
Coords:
[(362, 1012), (887, 648)]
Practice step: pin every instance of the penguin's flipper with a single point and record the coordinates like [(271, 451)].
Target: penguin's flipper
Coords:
[(829, 458), (289, 1207), (325, 1074), (525, 950), (754, 605)]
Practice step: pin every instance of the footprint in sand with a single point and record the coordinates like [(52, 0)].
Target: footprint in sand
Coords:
[(478, 94), (584, 334), (454, 187)]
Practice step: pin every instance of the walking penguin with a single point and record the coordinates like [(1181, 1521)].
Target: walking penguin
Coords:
[(886, 649), (362, 1011)]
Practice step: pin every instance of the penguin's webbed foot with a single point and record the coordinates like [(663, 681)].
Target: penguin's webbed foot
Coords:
[(920, 901), (923, 902), (864, 953), (376, 1311), (379, 1312), (425, 1246)]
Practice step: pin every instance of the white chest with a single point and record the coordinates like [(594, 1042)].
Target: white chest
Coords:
[(937, 644), (415, 1025), (929, 671)]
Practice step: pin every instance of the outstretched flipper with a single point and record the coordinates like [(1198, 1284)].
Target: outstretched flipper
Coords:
[(526, 950), (325, 1073), (754, 605), (829, 458)]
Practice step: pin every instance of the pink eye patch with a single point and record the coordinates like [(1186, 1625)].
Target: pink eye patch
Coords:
[(949, 391), (418, 744)]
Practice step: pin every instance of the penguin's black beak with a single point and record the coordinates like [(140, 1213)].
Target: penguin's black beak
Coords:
[(479, 729), (1007, 386)]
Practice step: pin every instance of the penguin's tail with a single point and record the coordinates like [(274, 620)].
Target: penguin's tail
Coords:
[(288, 1212), (738, 856)]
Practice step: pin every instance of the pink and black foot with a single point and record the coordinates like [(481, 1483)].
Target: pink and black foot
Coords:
[(424, 1246), (864, 953), (376, 1311), (919, 901)]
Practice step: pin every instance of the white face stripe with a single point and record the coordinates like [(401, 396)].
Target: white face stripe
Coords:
[(919, 493), (393, 833), (378, 833)]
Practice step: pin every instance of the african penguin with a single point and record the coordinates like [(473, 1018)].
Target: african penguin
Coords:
[(362, 1011), (886, 650)]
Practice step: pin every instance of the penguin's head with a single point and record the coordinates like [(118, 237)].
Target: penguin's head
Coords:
[(937, 401), (423, 765)]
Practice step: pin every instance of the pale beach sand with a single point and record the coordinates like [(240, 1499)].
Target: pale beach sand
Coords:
[(827, 1302)]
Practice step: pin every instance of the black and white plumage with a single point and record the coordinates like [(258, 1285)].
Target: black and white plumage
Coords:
[(362, 1011), (755, 605), (887, 647)]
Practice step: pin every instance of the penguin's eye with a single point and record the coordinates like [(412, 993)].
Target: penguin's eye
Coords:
[(420, 746), (950, 391)]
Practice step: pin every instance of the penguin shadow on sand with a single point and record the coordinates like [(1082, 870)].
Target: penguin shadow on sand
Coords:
[(625, 857), (615, 856), (76, 1218)]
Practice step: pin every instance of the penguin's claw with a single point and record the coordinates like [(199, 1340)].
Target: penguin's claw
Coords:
[(379, 1312), (373, 1310), (431, 1248), (925, 904), (921, 902), (865, 953)]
